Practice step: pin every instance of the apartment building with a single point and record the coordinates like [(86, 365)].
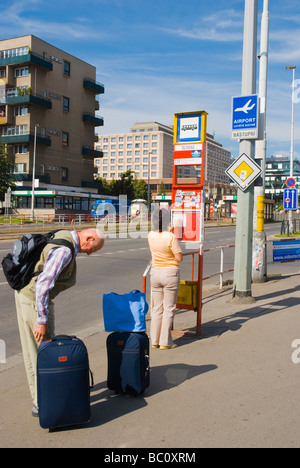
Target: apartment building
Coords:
[(48, 98), (147, 150)]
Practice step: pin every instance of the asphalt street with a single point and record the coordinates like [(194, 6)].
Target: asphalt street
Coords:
[(118, 267)]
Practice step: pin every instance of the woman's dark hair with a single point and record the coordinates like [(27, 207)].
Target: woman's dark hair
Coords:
[(161, 220)]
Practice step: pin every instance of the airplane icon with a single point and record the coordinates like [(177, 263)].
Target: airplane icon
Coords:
[(246, 107)]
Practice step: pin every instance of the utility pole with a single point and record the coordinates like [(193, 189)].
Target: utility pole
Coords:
[(259, 266), (242, 291)]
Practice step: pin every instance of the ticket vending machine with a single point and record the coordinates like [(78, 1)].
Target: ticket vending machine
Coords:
[(188, 199)]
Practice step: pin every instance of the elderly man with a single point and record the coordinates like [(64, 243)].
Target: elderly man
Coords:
[(54, 272)]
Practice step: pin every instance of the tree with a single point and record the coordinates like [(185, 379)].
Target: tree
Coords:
[(123, 186), (140, 189), (7, 178), (126, 185), (162, 189), (105, 187)]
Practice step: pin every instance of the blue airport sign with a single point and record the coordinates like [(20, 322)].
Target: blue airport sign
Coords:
[(245, 117), (290, 199)]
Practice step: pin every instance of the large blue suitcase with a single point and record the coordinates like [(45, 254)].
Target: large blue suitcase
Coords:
[(63, 382), (128, 362)]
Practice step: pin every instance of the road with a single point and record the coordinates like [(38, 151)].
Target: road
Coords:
[(118, 267)]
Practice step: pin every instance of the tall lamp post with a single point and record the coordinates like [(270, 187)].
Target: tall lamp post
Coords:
[(292, 67), (33, 173), (148, 181)]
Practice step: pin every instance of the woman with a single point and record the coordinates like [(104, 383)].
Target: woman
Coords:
[(165, 280)]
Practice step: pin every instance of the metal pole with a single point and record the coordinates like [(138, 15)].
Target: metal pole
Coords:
[(148, 182), (244, 225), (293, 67), (33, 173), (259, 267)]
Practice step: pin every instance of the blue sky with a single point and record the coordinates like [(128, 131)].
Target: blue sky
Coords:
[(159, 57)]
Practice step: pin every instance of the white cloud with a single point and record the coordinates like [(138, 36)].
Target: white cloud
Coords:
[(222, 26)]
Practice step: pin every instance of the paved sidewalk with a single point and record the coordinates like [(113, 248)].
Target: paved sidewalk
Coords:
[(236, 386)]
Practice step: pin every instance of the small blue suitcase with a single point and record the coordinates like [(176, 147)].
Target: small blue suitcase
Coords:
[(128, 362), (63, 382)]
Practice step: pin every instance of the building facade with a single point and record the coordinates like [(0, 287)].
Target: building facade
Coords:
[(47, 111), (147, 150), (276, 174)]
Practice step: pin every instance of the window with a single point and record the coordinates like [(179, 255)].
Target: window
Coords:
[(20, 168), (67, 68), (21, 72), (64, 174), (21, 111), (65, 139), (2, 73), (20, 149), (66, 104)]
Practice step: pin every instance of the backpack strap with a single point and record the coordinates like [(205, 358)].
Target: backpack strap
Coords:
[(59, 242), (63, 242)]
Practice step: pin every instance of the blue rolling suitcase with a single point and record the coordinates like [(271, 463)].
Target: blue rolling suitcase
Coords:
[(63, 382), (128, 362)]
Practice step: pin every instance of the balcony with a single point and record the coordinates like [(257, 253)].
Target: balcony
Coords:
[(24, 177), (93, 119), (29, 58), (91, 152), (13, 136), (25, 97), (93, 85)]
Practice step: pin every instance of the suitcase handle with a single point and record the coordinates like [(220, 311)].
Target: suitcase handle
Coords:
[(92, 380), (147, 362), (63, 337)]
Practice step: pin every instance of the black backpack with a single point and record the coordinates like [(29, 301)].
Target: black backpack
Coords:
[(18, 266)]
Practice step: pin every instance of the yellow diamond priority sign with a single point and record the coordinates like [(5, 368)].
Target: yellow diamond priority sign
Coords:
[(243, 171)]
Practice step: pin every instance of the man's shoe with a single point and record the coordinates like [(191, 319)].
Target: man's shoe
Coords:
[(35, 412)]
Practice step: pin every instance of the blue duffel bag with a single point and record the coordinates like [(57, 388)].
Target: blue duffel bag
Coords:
[(125, 312)]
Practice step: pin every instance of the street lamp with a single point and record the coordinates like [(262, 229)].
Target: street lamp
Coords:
[(292, 67), (33, 173), (148, 182)]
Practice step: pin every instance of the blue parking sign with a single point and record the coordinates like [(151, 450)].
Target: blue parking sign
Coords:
[(245, 117), (290, 199)]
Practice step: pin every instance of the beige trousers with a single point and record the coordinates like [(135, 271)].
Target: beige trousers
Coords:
[(27, 321), (164, 288)]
